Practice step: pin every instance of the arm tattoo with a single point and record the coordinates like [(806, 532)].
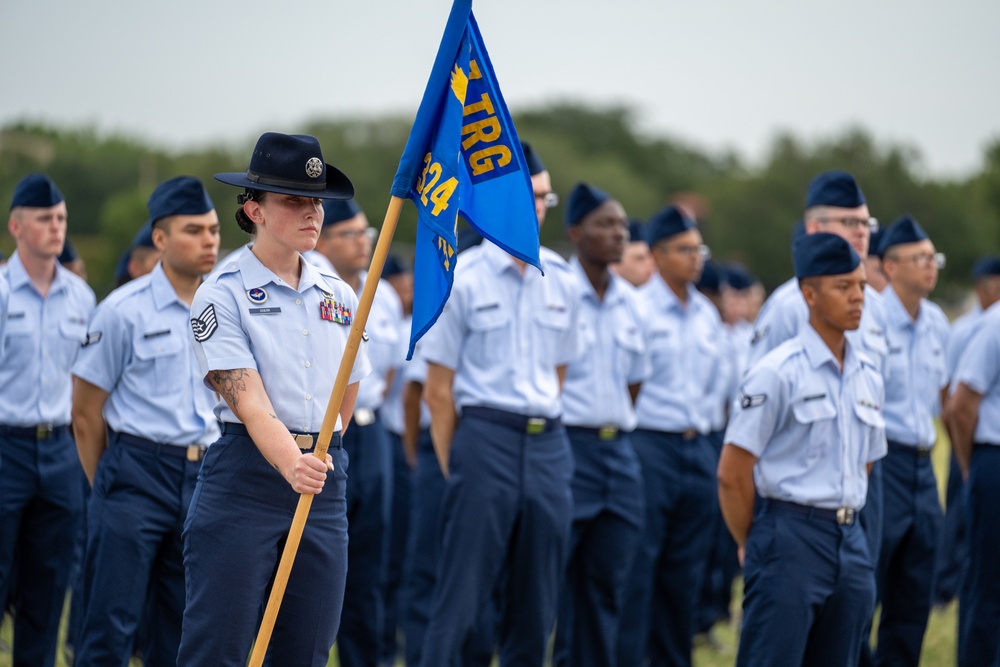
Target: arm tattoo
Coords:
[(231, 384)]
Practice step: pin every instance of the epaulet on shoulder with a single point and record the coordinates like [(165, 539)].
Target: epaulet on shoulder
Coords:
[(128, 290), (549, 258), (782, 353), (77, 282), (221, 270), (332, 276)]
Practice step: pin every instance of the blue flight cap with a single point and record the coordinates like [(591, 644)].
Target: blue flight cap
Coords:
[(875, 242), (582, 200), (339, 210), (738, 277), (468, 237), (182, 195), (68, 254), (665, 223), (121, 268), (986, 267), (711, 278), (636, 231), (834, 188), (904, 230), (290, 164), (798, 230), (394, 265), (36, 191), (823, 254), (535, 164), (144, 237)]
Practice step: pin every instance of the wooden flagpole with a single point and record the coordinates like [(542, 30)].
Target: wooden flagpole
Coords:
[(326, 430)]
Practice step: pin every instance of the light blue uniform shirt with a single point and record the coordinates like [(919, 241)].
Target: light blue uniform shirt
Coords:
[(384, 342), (785, 313), (4, 297), (979, 368), (962, 331), (504, 333), (740, 335), (614, 355), (917, 371), (42, 340), (685, 344), (139, 351), (812, 428), (415, 370), (392, 410), (244, 316)]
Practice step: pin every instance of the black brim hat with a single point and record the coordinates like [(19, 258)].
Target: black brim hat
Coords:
[(291, 164)]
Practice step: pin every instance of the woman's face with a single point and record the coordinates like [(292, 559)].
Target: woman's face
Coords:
[(291, 221)]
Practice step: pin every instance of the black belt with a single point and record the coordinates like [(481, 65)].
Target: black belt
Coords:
[(519, 422), (607, 432), (36, 432), (919, 452), (844, 516), (689, 434), (193, 453), (305, 441)]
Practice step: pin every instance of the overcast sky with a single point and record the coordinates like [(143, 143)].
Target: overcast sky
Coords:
[(718, 73)]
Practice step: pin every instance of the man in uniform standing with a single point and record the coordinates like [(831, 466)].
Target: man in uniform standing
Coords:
[(498, 355), (41, 495), (143, 418), (914, 388), (803, 436)]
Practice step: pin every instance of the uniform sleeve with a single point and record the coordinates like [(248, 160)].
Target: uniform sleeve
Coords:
[(443, 343), (642, 363), (878, 446), (774, 326), (415, 370), (572, 348), (220, 343), (384, 330), (756, 412), (4, 297), (108, 347), (979, 365)]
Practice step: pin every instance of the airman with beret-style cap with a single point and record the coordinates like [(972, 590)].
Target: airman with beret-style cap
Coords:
[(823, 255), (668, 222), (183, 195), (583, 199), (36, 191)]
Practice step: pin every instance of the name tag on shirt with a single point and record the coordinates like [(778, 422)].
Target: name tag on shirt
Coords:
[(265, 311), (155, 334)]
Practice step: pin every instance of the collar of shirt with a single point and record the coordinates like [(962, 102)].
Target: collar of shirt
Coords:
[(255, 274), (499, 260), (898, 316), (819, 353), (662, 297), (17, 276), (614, 295), (163, 292)]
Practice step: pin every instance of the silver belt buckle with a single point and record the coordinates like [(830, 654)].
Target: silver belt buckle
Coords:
[(303, 440), (364, 416), (845, 516)]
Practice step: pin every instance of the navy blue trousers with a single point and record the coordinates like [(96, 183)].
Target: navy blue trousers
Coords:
[(809, 589), (953, 551), (871, 522), (41, 503), (661, 598), (979, 612), (721, 567), (236, 529), (369, 498), (905, 574), (399, 527), (607, 522), (136, 516), (506, 510)]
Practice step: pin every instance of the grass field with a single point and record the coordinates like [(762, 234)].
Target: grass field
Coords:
[(939, 642)]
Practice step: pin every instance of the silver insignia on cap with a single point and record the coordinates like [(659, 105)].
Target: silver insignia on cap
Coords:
[(314, 167)]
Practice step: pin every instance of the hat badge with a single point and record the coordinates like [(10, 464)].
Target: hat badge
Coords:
[(314, 167)]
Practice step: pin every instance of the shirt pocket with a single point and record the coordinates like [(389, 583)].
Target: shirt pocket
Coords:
[(818, 414), (628, 348), (876, 344), (72, 333), (490, 335), (552, 335), (169, 366)]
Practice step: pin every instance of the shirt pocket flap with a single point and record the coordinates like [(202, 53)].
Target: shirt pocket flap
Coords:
[(73, 330), (553, 317), (869, 414), (488, 316), (629, 339), (159, 346), (811, 408)]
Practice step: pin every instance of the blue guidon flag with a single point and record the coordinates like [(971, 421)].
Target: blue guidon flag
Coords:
[(463, 157)]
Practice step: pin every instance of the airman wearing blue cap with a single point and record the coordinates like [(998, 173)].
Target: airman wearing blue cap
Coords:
[(269, 333), (873, 262), (139, 258), (803, 434), (498, 354), (346, 243), (952, 547), (973, 416), (41, 495), (674, 414), (599, 413), (636, 265), (914, 386), (142, 419)]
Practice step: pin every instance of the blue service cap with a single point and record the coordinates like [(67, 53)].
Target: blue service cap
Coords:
[(69, 253), (36, 191), (583, 199), (986, 267), (339, 210), (394, 265), (182, 195), (121, 268), (875, 242), (711, 278), (667, 222), (823, 254), (834, 188), (535, 164), (636, 230), (144, 237), (904, 230), (798, 230), (738, 277)]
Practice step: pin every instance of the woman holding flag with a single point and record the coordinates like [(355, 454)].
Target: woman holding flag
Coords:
[(269, 331)]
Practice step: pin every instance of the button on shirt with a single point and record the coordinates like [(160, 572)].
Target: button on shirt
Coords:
[(979, 368), (917, 371), (812, 428), (504, 333), (42, 340), (139, 350), (614, 355), (786, 312), (685, 348), (244, 316)]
